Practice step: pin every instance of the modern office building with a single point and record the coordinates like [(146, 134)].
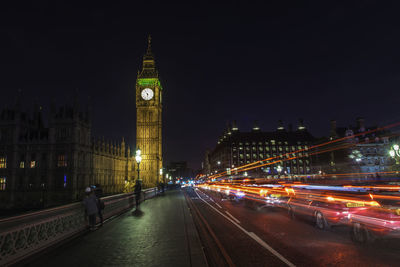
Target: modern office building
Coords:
[(236, 148)]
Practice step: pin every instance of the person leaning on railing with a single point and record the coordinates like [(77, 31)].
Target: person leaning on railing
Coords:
[(91, 210)]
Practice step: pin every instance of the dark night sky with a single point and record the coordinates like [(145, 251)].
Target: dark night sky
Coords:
[(287, 60)]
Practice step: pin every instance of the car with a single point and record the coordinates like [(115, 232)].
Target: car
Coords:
[(380, 221), (267, 196), (326, 209)]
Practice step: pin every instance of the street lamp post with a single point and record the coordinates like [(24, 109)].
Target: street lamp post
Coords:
[(138, 159), (279, 169), (394, 152)]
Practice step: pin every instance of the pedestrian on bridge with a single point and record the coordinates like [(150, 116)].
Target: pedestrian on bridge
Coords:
[(138, 192), (91, 210), (100, 203)]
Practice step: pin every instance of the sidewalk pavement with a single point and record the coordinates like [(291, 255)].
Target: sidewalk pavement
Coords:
[(161, 233)]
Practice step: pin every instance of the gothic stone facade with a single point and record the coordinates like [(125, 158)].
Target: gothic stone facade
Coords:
[(43, 165), (360, 150)]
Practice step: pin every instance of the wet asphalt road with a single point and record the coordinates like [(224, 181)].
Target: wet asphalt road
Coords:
[(295, 240)]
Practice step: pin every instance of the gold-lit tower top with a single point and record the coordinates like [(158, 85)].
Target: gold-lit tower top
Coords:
[(149, 65)]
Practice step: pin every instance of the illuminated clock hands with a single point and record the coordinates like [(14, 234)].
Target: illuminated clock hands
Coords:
[(147, 94)]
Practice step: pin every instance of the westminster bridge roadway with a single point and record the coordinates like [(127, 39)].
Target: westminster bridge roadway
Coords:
[(188, 227)]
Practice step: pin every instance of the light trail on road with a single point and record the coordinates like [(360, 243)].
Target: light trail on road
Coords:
[(282, 158), (250, 234)]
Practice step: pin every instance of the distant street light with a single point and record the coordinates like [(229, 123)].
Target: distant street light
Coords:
[(279, 168), (356, 155), (138, 158), (395, 153)]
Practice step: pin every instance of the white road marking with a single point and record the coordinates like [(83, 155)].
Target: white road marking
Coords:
[(252, 235), (233, 218), (210, 198)]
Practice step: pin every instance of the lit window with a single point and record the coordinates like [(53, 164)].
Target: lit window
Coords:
[(3, 183), (261, 156), (280, 148), (62, 161), (287, 148), (272, 142), (22, 164), (33, 163), (266, 148), (254, 148), (247, 155), (3, 162), (273, 148), (260, 148)]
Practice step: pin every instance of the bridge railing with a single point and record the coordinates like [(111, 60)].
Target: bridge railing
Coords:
[(27, 234)]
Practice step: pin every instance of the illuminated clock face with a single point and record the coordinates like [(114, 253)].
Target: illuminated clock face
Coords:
[(147, 94)]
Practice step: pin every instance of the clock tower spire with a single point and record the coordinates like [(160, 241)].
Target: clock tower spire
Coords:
[(149, 119), (149, 65)]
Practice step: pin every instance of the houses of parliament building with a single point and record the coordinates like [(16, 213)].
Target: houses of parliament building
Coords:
[(45, 163)]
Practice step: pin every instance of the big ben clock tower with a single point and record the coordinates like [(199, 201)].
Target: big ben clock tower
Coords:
[(148, 121)]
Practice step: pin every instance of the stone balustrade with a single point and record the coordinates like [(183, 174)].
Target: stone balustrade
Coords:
[(24, 235)]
